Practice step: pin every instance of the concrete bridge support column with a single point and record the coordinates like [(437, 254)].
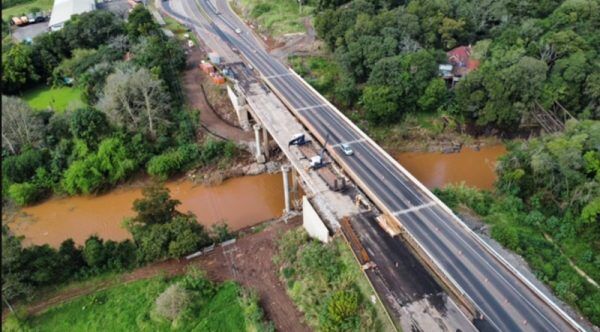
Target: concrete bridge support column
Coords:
[(241, 108), (266, 143), (259, 156), (285, 169), (242, 114)]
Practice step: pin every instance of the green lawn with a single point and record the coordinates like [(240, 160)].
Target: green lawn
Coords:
[(44, 5), (277, 17), (58, 99), (129, 307)]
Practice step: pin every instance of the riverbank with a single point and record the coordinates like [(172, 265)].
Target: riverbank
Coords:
[(255, 198)]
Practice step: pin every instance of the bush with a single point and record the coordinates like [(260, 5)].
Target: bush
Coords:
[(172, 302), (25, 193), (341, 312), (171, 162), (195, 280), (220, 232), (110, 164)]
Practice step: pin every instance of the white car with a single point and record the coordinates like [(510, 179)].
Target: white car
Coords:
[(347, 149), (238, 30)]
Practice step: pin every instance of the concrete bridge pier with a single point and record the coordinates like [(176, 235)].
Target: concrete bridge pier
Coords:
[(241, 108), (295, 180), (260, 158), (265, 142), (285, 169)]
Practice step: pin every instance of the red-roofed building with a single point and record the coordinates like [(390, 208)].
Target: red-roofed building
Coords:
[(461, 61)]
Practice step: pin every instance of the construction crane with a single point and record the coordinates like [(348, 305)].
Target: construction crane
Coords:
[(317, 162)]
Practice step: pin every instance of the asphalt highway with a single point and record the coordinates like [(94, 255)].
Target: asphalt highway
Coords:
[(502, 298)]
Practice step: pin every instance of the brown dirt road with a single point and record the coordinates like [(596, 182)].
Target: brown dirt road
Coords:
[(248, 261)]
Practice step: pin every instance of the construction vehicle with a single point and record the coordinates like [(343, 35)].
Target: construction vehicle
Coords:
[(317, 162), (298, 139)]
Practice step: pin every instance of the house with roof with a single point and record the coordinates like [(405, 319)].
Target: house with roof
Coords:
[(460, 63)]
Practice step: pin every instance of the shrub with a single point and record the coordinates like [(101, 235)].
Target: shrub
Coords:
[(341, 312), (220, 232), (25, 193), (196, 280), (172, 302), (171, 162)]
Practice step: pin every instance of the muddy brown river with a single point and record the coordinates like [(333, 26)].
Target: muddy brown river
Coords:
[(240, 202), (436, 169)]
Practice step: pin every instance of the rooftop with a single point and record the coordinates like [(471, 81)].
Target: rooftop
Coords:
[(62, 10)]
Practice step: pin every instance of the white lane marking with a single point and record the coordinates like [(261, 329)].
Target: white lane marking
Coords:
[(310, 107), (277, 75), (414, 208), (360, 140)]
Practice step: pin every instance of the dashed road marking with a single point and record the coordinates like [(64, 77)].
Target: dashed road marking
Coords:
[(413, 209), (306, 108), (349, 142)]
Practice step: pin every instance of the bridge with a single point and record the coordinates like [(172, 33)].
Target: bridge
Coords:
[(487, 285)]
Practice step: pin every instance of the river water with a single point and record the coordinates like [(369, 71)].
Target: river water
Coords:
[(240, 202), (436, 169)]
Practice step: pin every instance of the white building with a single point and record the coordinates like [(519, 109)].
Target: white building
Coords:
[(62, 10)]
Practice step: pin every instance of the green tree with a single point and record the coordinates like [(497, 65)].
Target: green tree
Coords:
[(141, 23), (91, 29), (17, 68), (436, 94), (89, 125), (156, 207), (381, 104), (93, 80), (94, 253), (14, 279), (109, 165)]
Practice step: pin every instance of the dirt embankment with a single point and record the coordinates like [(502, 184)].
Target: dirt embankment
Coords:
[(248, 261), (217, 115)]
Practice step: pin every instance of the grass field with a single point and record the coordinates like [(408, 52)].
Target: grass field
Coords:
[(276, 17), (58, 99), (44, 5), (129, 307)]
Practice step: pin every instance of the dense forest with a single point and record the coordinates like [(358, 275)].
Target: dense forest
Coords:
[(530, 52), (546, 207), (134, 115), (546, 203)]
